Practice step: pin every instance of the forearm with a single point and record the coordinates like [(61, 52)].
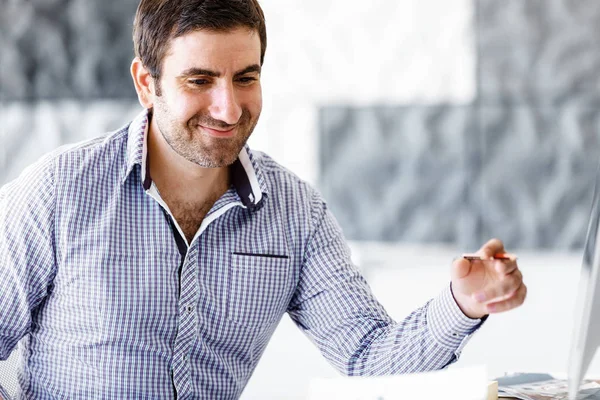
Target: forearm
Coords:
[(334, 305), (430, 338)]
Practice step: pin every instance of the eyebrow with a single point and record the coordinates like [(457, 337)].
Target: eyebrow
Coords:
[(213, 74)]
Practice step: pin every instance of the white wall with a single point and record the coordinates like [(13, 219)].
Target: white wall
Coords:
[(357, 52)]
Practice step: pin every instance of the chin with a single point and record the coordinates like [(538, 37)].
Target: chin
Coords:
[(216, 162)]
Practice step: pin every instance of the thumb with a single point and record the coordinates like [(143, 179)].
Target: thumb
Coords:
[(460, 268)]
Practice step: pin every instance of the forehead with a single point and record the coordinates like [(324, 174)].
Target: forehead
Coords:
[(236, 48)]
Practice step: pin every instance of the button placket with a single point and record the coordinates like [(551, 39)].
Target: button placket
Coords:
[(187, 319)]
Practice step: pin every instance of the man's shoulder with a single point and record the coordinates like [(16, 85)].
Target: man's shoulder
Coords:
[(275, 173), (284, 184), (110, 143)]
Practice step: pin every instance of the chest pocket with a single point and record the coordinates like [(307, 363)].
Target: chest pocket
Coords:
[(256, 288)]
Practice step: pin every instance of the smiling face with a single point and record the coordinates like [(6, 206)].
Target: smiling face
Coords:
[(209, 97)]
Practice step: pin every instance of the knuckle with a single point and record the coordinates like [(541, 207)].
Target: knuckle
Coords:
[(518, 276), (496, 242), (524, 292)]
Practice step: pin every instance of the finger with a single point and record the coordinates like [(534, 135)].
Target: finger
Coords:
[(501, 290), (460, 268), (492, 247), (505, 267), (506, 256), (508, 304)]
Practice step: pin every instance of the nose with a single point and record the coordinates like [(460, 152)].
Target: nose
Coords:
[(224, 105)]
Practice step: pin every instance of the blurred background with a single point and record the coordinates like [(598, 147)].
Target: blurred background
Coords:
[(429, 126)]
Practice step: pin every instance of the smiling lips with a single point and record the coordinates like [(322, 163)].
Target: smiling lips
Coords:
[(219, 133)]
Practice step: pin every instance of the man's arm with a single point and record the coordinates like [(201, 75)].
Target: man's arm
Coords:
[(335, 307), (27, 258)]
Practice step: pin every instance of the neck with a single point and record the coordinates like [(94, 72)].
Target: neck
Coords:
[(181, 178)]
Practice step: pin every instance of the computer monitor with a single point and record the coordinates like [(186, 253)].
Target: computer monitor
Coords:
[(586, 333)]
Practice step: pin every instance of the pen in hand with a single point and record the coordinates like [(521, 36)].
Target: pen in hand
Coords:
[(497, 256)]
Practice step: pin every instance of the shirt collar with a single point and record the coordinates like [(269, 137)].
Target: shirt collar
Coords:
[(246, 175)]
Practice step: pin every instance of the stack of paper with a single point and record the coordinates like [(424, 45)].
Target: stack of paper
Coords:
[(529, 386)]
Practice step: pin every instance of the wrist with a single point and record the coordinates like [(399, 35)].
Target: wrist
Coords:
[(466, 305)]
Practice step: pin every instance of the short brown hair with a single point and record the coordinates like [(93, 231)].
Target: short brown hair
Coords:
[(159, 21)]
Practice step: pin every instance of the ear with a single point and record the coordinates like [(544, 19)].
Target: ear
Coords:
[(144, 83)]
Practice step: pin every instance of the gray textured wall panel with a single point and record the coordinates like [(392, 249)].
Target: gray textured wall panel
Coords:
[(537, 178), (523, 173), (538, 50), (398, 173), (528, 164), (66, 48)]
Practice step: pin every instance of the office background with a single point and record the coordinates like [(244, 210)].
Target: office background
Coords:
[(426, 124)]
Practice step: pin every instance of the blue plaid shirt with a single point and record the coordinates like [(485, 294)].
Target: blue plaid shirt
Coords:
[(107, 301)]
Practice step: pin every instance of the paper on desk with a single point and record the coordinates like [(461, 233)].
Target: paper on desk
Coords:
[(452, 384), (530, 386)]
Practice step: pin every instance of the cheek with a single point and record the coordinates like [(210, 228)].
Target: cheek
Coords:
[(253, 101), (185, 106)]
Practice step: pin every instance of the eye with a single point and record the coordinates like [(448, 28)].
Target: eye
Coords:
[(197, 82), (246, 80)]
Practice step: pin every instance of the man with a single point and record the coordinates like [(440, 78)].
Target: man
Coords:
[(156, 261)]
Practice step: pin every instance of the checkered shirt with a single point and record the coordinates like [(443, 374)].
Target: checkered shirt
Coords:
[(105, 300)]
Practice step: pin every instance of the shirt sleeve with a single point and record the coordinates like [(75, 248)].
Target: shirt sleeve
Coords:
[(27, 261), (334, 306)]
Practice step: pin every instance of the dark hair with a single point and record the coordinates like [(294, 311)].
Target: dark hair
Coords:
[(158, 21)]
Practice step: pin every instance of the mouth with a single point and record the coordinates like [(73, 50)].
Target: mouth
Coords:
[(219, 133)]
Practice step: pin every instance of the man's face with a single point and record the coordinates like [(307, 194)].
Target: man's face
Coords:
[(210, 95)]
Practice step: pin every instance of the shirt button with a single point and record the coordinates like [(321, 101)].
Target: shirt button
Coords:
[(190, 308), (185, 357)]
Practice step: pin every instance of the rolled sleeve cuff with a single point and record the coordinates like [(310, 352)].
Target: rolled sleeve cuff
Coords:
[(450, 327)]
